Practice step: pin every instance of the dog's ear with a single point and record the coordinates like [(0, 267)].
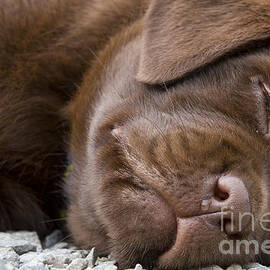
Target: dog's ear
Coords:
[(180, 36)]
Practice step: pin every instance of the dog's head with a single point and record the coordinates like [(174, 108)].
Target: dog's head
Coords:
[(171, 163)]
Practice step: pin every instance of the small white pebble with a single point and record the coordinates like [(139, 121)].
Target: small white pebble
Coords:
[(53, 239), (104, 261), (234, 267), (56, 260), (30, 237), (110, 257), (9, 255), (7, 266), (84, 253), (259, 268), (60, 245), (78, 264), (255, 266), (92, 258), (34, 266), (99, 267), (110, 267), (138, 267), (19, 246), (214, 267), (28, 257)]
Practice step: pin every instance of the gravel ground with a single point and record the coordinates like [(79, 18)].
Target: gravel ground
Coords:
[(24, 251)]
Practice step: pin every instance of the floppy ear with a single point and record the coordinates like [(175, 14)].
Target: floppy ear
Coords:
[(180, 36)]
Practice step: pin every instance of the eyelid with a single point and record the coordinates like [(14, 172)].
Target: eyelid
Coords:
[(266, 93)]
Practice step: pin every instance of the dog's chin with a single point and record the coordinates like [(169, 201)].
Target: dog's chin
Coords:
[(195, 256), (209, 250), (186, 260), (192, 249)]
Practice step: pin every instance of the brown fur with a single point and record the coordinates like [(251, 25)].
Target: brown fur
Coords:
[(143, 154)]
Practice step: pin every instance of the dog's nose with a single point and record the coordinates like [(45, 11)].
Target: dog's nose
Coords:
[(236, 202), (227, 213), (231, 201)]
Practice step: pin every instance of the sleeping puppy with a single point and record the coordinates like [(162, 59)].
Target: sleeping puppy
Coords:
[(162, 106)]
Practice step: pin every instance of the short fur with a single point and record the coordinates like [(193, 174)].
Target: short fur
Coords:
[(152, 100)]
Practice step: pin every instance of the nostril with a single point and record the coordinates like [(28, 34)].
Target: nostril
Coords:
[(220, 194), (233, 197)]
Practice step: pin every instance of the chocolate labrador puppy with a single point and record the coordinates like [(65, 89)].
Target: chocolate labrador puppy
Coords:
[(163, 108)]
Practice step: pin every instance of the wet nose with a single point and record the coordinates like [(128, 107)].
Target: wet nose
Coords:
[(231, 199), (226, 212), (237, 200)]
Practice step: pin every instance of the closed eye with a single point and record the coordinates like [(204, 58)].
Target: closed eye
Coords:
[(262, 92), (266, 93)]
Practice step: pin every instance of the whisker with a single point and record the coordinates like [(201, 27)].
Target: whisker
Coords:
[(157, 128), (95, 55), (53, 220), (66, 237), (171, 101), (102, 65)]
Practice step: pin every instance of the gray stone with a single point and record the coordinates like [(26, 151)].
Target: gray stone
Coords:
[(22, 247), (19, 246), (92, 257), (53, 239), (78, 264)]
